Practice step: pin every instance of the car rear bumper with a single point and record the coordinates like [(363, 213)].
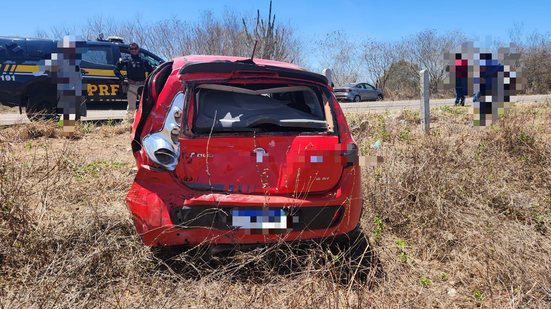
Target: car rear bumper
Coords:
[(167, 213), (345, 239)]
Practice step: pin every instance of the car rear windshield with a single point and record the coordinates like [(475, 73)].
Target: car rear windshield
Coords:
[(260, 108)]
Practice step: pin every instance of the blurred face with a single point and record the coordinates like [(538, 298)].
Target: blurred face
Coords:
[(134, 50)]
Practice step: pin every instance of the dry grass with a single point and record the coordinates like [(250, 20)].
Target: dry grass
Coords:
[(458, 218)]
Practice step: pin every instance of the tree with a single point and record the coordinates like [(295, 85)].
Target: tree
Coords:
[(342, 56), (99, 25), (402, 80), (274, 41), (536, 64), (230, 34), (378, 57), (174, 35), (427, 48)]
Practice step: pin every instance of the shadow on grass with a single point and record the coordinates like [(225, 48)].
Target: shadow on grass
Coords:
[(340, 263)]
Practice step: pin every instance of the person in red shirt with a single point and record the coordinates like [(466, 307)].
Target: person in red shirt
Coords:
[(461, 78)]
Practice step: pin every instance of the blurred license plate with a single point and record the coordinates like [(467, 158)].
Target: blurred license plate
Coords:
[(259, 218)]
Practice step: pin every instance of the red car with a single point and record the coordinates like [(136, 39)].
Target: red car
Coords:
[(241, 152)]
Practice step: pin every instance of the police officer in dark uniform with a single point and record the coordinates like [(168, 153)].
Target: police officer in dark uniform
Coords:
[(136, 67)]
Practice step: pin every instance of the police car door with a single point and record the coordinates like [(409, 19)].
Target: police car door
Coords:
[(97, 71)]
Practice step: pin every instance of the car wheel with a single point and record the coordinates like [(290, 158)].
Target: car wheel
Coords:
[(41, 108), (357, 262), (380, 98), (165, 253), (357, 98)]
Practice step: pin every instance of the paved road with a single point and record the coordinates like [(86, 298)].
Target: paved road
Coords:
[(416, 104), (15, 118)]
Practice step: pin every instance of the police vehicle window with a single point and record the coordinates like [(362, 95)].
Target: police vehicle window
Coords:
[(154, 62), (96, 54), (124, 54)]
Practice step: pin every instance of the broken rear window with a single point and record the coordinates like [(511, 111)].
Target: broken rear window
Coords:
[(224, 108)]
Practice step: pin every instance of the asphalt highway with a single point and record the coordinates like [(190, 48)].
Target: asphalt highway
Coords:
[(13, 117)]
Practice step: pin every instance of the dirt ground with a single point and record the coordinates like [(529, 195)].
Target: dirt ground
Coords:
[(458, 218)]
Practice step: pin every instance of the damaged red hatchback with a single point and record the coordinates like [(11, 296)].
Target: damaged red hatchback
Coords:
[(239, 152)]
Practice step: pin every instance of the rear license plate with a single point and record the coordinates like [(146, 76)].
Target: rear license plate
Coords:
[(265, 219)]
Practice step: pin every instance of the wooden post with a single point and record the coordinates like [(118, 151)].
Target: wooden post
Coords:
[(425, 105)]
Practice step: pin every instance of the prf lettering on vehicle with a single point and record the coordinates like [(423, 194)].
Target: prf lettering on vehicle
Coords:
[(102, 89), (25, 82)]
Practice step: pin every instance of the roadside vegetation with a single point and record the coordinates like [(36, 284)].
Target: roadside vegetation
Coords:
[(460, 217)]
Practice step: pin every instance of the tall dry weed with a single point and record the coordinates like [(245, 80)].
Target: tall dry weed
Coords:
[(459, 218)]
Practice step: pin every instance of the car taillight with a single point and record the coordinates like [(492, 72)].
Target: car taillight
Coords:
[(163, 147), (350, 155)]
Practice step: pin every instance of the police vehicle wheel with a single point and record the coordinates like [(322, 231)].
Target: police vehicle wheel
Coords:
[(357, 98), (41, 108)]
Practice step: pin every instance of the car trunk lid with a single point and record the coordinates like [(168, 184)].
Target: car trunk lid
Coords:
[(275, 164), (276, 139)]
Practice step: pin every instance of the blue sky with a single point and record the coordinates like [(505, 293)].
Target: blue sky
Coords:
[(385, 20), (381, 20)]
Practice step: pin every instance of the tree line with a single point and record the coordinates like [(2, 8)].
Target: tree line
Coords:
[(390, 66)]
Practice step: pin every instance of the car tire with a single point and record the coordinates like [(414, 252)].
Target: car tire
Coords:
[(357, 262), (380, 98), (165, 253), (41, 107), (357, 98)]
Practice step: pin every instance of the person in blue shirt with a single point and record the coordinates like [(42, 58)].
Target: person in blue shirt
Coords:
[(489, 83)]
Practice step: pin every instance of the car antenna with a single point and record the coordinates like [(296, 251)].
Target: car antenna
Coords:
[(250, 60), (254, 50)]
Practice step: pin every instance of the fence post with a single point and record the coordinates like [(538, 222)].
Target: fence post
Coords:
[(329, 74), (425, 105)]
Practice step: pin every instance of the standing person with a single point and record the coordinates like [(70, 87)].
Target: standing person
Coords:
[(491, 88), (461, 79), (64, 69), (136, 68)]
